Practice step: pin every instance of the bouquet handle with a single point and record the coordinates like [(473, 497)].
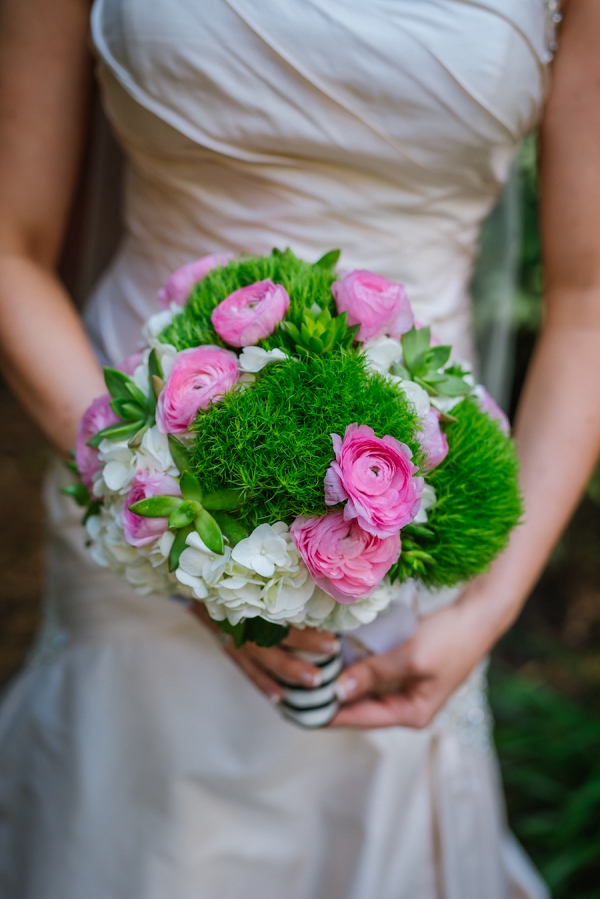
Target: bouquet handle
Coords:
[(312, 707)]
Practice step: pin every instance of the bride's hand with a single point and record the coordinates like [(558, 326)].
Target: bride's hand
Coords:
[(408, 685), (259, 664)]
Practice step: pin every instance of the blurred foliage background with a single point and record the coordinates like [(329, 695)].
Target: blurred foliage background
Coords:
[(545, 674)]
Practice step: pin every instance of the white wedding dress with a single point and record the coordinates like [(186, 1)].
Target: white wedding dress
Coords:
[(136, 761)]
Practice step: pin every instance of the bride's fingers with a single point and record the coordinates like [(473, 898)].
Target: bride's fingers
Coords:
[(374, 673), (397, 710), (312, 640), (256, 674), (284, 665)]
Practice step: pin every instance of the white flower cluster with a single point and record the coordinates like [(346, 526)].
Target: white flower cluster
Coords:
[(264, 576), (144, 567)]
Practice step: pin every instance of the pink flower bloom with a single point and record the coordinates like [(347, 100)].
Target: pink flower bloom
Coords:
[(131, 363), (179, 285), (251, 313), (345, 561), (379, 306), (376, 477), (489, 405), (97, 417), (139, 531), (199, 376), (433, 440)]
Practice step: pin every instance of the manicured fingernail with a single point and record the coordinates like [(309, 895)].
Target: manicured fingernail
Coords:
[(330, 645), (275, 698), (345, 688), (312, 680)]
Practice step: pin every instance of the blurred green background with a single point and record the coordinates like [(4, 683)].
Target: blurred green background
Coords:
[(545, 674)]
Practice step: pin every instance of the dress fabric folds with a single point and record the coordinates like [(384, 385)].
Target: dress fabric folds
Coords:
[(136, 761)]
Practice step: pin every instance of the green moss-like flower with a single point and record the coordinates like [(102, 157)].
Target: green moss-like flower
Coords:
[(273, 440)]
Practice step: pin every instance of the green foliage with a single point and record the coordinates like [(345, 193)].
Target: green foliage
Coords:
[(306, 284), (423, 363), (254, 630), (135, 410), (318, 332), (478, 500), (192, 513), (549, 754), (273, 441)]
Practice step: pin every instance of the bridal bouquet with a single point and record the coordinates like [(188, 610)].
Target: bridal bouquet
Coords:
[(289, 447)]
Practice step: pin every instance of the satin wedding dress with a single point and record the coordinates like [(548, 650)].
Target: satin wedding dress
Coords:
[(136, 761)]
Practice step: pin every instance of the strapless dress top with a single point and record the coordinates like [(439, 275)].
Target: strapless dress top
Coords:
[(385, 129)]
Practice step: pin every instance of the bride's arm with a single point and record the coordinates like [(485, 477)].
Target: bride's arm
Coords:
[(44, 83), (558, 423)]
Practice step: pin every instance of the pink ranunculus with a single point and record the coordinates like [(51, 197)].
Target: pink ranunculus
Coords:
[(199, 376), (139, 531), (433, 440), (342, 558), (179, 285), (376, 477), (489, 405), (379, 306), (95, 418), (251, 313)]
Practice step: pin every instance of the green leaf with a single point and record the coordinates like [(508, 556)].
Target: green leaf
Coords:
[(209, 532), (329, 260), (78, 492), (119, 431), (264, 633), (157, 386), (418, 530), (291, 329), (437, 356), (120, 386), (415, 344), (156, 506), (183, 516), (71, 466), (305, 334), (315, 345), (237, 631), (138, 436), (231, 527), (452, 386), (178, 546), (181, 456), (190, 487), (154, 366), (128, 410), (223, 500)]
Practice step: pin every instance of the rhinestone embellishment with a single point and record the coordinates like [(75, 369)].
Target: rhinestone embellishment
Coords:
[(553, 19)]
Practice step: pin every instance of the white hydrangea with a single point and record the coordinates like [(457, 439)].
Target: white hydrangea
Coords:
[(254, 358), (263, 575), (121, 462), (381, 353), (158, 322), (416, 396), (144, 567)]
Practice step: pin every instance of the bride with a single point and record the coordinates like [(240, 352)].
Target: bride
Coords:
[(138, 759)]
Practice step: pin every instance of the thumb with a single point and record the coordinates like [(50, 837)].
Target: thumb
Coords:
[(376, 672)]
